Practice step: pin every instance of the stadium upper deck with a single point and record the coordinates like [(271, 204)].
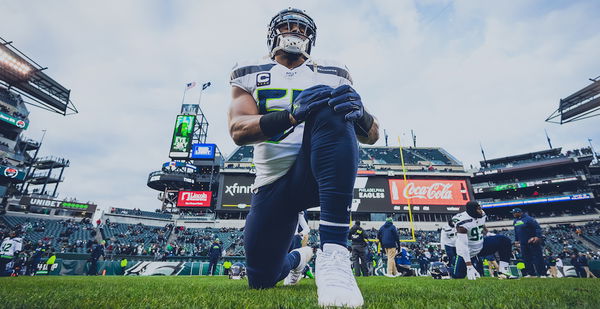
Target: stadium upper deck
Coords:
[(423, 159), (546, 183)]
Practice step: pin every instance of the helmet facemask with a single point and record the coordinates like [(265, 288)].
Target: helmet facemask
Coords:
[(293, 32)]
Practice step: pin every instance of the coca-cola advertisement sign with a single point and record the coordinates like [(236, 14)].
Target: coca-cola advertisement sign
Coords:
[(428, 192), (194, 199)]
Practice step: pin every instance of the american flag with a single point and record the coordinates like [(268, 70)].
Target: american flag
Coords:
[(189, 86)]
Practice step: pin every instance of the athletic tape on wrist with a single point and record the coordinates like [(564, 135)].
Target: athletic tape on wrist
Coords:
[(363, 125), (275, 123)]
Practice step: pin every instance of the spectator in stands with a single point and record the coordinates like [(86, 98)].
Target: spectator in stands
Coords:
[(214, 254), (528, 236), (359, 249), (388, 237)]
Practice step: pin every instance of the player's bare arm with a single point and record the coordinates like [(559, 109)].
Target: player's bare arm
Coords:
[(244, 120), (373, 134)]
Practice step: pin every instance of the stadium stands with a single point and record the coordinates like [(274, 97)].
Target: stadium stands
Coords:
[(370, 156), (140, 213), (62, 235), (242, 154)]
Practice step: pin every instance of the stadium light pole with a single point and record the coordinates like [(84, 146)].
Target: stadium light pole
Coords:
[(593, 151), (23, 188)]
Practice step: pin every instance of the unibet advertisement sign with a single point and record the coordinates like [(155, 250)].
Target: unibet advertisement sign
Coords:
[(182, 136)]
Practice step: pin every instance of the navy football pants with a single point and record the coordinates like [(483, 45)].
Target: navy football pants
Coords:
[(491, 245), (451, 253), (534, 259), (323, 175)]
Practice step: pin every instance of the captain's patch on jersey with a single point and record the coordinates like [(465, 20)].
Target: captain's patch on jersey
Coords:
[(263, 79)]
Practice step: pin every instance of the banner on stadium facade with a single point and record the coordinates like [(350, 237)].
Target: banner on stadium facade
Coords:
[(429, 192), (182, 136), (194, 199), (12, 173), (46, 202), (19, 123)]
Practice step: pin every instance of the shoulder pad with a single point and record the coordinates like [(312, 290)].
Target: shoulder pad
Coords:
[(330, 67), (248, 67)]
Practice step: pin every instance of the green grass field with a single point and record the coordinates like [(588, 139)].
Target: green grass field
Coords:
[(220, 292)]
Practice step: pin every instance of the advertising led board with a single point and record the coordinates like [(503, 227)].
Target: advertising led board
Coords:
[(182, 136), (203, 151), (559, 198), (371, 194), (429, 192), (194, 199)]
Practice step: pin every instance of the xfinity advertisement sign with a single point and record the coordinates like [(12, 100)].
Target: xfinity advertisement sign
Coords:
[(237, 192)]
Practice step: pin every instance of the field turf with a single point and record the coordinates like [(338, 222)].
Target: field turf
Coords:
[(220, 292)]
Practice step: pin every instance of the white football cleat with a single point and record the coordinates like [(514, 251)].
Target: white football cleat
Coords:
[(502, 276), (336, 285), (306, 253)]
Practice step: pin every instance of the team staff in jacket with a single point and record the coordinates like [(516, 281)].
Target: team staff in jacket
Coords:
[(528, 235), (97, 252), (214, 254), (389, 240), (359, 249)]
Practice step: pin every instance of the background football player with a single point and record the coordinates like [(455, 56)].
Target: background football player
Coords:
[(472, 245), (304, 120)]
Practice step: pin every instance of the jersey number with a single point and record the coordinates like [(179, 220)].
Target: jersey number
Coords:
[(6, 247), (476, 233), (265, 95)]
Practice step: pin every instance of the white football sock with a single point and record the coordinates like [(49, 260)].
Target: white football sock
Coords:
[(334, 247), (503, 267)]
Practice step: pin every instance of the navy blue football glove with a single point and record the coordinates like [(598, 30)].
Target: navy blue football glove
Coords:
[(310, 100), (345, 100)]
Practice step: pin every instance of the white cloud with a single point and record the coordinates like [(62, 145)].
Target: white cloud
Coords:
[(457, 73)]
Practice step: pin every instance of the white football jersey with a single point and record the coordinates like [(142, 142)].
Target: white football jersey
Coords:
[(474, 228), (274, 87), (10, 245), (448, 236)]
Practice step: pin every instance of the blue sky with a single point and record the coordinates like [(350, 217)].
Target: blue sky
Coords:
[(457, 72)]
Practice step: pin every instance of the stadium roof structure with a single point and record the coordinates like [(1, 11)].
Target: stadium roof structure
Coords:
[(24, 76), (583, 104), (522, 157)]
